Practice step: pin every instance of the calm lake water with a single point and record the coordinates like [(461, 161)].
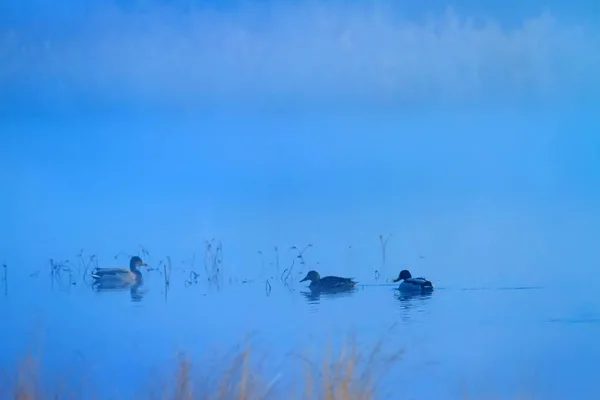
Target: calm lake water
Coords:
[(505, 224), (462, 340)]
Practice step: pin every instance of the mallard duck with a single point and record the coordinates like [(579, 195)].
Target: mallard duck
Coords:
[(328, 282), (411, 284), (116, 276)]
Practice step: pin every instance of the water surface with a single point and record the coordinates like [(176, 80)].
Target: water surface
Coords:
[(481, 341)]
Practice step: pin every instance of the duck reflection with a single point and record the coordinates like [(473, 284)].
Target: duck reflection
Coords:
[(313, 295), (135, 290), (415, 300)]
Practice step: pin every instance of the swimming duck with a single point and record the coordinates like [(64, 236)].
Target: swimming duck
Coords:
[(115, 276), (328, 282), (411, 284)]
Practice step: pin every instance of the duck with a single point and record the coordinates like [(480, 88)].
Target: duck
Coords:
[(411, 284), (120, 276), (328, 282)]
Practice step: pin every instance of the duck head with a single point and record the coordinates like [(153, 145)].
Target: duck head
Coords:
[(135, 263), (312, 276), (404, 274)]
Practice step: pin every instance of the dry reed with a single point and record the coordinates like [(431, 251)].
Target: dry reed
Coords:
[(348, 377)]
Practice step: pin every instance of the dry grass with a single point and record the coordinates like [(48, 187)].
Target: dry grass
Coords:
[(348, 376)]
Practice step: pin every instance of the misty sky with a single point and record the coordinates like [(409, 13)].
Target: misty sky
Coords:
[(470, 133)]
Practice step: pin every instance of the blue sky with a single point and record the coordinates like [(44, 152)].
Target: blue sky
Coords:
[(461, 130)]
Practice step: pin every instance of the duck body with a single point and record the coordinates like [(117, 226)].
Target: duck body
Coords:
[(116, 275), (119, 276), (410, 284), (328, 283)]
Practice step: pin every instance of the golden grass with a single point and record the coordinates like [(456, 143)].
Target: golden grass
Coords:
[(348, 376)]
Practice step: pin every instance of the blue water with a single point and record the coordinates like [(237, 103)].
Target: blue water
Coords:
[(484, 341), (504, 224), (469, 134), (499, 210)]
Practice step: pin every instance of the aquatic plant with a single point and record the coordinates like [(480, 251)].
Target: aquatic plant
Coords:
[(383, 242), (5, 278), (167, 268), (285, 275), (193, 276), (143, 252), (58, 269), (300, 253), (66, 273), (85, 265), (262, 262), (213, 262), (277, 260)]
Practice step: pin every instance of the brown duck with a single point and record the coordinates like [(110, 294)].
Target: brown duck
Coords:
[(117, 276)]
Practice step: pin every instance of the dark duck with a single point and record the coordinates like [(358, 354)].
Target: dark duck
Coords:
[(410, 284), (328, 283)]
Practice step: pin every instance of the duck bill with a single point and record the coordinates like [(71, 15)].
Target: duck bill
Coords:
[(397, 280), (305, 279), (143, 265)]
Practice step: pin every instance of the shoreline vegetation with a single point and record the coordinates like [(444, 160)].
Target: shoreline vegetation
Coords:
[(348, 374)]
